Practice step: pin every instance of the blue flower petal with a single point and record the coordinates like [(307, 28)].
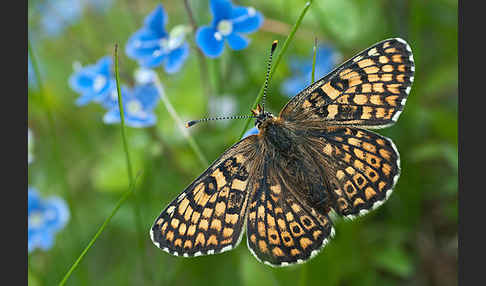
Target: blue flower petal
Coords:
[(206, 41), (156, 21), (237, 42), (45, 218), (45, 240), (85, 98), (61, 210), (246, 19), (110, 97), (148, 119), (252, 131), (221, 9), (33, 199), (152, 61), (86, 81), (147, 94), (82, 81), (142, 44), (104, 65), (112, 116), (176, 59)]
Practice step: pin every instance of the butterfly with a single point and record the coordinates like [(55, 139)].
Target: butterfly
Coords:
[(315, 157)]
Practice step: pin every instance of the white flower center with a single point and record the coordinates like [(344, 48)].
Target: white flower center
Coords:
[(251, 11), (36, 219), (157, 53), (134, 107), (99, 83), (225, 27)]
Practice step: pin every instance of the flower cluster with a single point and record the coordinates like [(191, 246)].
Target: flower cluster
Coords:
[(45, 218), (97, 83), (152, 46), (326, 59)]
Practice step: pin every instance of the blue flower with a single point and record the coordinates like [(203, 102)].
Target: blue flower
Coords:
[(57, 15), (93, 82), (138, 105), (229, 22), (326, 58), (45, 218), (152, 46), (252, 131)]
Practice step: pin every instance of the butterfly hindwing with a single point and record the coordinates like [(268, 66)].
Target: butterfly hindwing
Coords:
[(362, 167), (208, 216), (282, 230), (369, 90)]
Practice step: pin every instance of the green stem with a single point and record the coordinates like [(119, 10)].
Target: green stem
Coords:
[(313, 75), (135, 202), (192, 143), (122, 117), (279, 58)]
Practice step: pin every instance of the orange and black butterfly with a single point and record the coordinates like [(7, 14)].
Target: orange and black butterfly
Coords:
[(315, 156)]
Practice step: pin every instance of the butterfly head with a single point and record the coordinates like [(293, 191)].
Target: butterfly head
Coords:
[(261, 116)]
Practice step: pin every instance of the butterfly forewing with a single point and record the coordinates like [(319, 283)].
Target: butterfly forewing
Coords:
[(281, 229), (208, 216), (369, 90)]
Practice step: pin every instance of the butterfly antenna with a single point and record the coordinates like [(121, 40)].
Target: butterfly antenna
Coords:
[(269, 66), (194, 122)]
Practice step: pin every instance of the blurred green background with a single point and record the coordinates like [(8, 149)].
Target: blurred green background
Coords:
[(410, 240)]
